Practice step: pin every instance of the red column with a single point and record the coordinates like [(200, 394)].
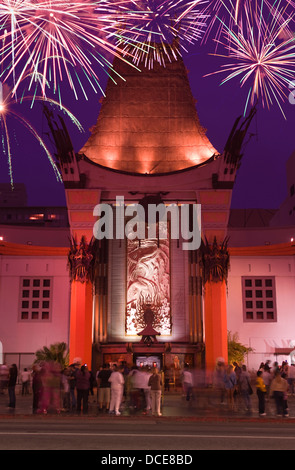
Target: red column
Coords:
[(214, 267), (81, 322), (215, 323), (81, 262)]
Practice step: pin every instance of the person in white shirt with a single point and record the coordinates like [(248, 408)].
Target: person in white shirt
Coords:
[(146, 389), (267, 378), (187, 380), (117, 386), (25, 378)]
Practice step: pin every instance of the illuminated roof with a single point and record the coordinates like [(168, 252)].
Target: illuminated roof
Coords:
[(149, 123)]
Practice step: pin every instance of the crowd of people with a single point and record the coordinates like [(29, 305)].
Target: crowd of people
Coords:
[(8, 380), (141, 389), (235, 384), (68, 390)]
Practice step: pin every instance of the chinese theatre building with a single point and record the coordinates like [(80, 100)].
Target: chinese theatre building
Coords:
[(148, 300), (116, 285)]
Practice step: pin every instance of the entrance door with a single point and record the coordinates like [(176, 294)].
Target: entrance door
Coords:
[(151, 361)]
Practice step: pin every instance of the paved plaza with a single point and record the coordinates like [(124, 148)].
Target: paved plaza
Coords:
[(205, 405)]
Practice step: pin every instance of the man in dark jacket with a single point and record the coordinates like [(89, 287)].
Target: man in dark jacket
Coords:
[(11, 385), (104, 387)]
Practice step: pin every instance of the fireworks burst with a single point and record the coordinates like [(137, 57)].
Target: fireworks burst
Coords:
[(225, 10), (58, 40), (261, 51), (231, 12), (159, 30), (7, 110), (69, 41)]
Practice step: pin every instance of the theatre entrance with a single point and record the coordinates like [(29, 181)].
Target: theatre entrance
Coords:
[(149, 360)]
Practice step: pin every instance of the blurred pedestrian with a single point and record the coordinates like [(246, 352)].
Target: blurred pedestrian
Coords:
[(187, 381), (218, 380), (285, 370), (147, 389), (104, 387), (72, 382), (4, 374), (125, 371), (167, 378), (12, 379), (83, 385), (291, 379), (245, 388), (135, 389), (65, 385), (92, 382), (25, 379), (36, 387), (230, 383), (261, 392), (237, 371), (155, 382), (117, 388), (51, 387), (278, 389), (267, 378)]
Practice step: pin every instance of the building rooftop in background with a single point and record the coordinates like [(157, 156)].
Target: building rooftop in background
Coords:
[(251, 217), (16, 197), (35, 216), (30, 225)]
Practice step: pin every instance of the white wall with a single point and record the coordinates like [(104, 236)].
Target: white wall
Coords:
[(26, 337), (263, 337)]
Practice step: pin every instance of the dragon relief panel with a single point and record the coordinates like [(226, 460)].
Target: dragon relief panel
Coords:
[(148, 285)]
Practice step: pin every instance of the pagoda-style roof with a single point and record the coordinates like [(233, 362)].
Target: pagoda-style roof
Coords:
[(148, 124)]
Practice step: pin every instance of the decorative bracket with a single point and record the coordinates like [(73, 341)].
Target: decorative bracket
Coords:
[(81, 259), (214, 261)]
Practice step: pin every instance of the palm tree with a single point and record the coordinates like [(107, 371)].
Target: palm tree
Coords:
[(57, 352), (236, 351)]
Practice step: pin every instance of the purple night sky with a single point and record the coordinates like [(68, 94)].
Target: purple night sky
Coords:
[(261, 180)]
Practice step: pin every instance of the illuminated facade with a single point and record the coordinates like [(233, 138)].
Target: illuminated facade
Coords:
[(148, 145), (141, 300)]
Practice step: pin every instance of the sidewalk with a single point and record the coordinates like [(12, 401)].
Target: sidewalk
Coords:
[(174, 405)]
